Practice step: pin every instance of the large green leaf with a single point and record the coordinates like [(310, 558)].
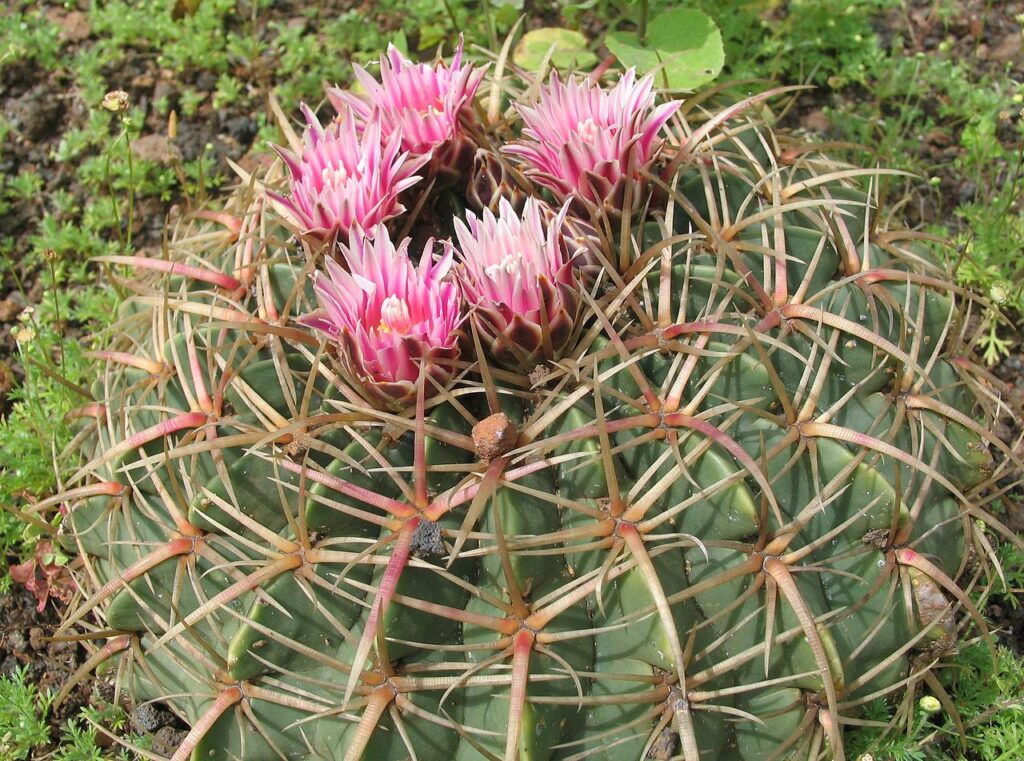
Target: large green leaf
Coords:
[(683, 45), (569, 49)]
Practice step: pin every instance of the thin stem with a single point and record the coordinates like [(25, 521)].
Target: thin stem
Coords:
[(131, 184), (49, 255), (113, 199)]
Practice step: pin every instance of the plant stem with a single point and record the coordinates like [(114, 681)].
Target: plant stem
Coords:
[(131, 187), (451, 14), (56, 316), (113, 199)]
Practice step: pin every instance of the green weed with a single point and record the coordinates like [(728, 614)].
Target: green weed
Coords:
[(23, 710), (989, 698), (56, 369), (24, 726), (28, 37)]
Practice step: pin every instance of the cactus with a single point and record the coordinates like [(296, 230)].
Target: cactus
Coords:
[(739, 498)]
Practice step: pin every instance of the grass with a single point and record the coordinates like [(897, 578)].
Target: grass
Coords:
[(882, 96)]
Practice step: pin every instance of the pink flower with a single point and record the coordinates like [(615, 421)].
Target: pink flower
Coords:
[(388, 315), (342, 181), (581, 139), (420, 101), (517, 274)]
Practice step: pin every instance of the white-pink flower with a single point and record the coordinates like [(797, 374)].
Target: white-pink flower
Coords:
[(388, 316), (517, 273), (422, 102), (584, 140), (344, 181)]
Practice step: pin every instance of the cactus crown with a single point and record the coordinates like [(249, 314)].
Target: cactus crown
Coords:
[(726, 509)]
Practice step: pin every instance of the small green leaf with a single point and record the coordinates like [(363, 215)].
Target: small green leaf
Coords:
[(401, 42), (570, 49), (683, 45)]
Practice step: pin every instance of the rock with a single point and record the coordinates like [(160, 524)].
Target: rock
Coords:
[(37, 114), (143, 82), (156, 148), (17, 645), (206, 81), (9, 310), (242, 128), (150, 213), (74, 25), (165, 89), (1008, 49), (939, 137), (6, 380), (35, 638), (816, 121), (426, 540), (494, 436), (150, 717), (167, 740)]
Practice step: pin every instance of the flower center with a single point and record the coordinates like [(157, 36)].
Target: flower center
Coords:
[(394, 316), (511, 264), (434, 109), (587, 130), (334, 175)]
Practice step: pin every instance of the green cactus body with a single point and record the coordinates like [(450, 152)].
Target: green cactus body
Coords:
[(714, 534)]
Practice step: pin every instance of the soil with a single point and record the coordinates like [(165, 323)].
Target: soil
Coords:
[(23, 644), (41, 105)]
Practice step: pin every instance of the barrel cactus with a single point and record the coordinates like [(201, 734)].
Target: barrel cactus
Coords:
[(636, 432)]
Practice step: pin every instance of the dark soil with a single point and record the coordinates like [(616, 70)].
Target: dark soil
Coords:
[(23, 643)]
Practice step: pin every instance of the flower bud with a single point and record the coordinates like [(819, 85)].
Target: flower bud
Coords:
[(584, 141), (518, 276), (490, 182)]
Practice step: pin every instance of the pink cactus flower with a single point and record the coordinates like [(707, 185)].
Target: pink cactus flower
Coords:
[(422, 102), (517, 273), (581, 139), (344, 181), (389, 316)]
